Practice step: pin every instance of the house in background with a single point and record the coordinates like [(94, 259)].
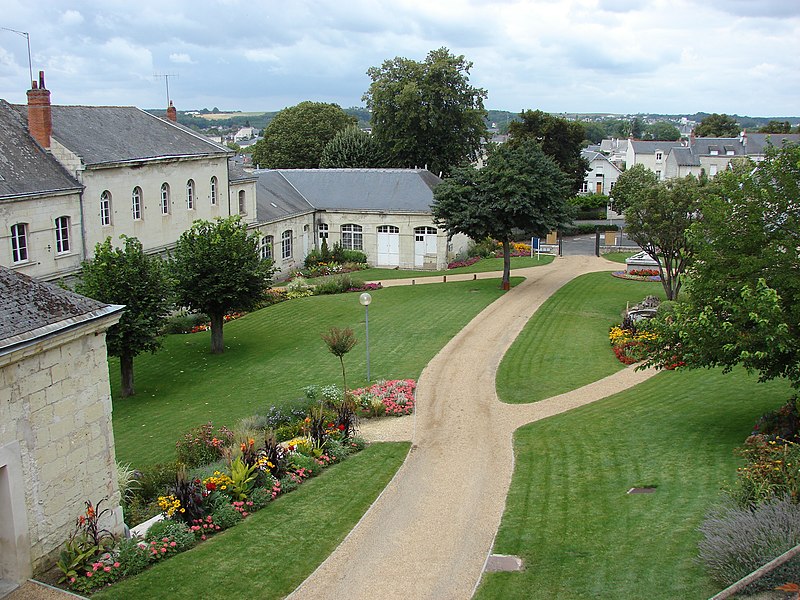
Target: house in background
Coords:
[(56, 440), (135, 174), (652, 155), (602, 174), (386, 213)]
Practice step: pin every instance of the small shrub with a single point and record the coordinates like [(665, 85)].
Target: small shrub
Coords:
[(202, 445), (737, 541), (184, 322), (289, 431), (127, 480), (337, 450), (303, 461), (174, 531), (133, 557), (226, 516), (261, 496), (154, 480), (137, 511), (336, 284), (783, 423)]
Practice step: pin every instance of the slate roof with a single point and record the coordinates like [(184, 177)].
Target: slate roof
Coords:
[(237, 174), (284, 192), (113, 134), (685, 157), (32, 309), (649, 147), (757, 142), (25, 168), (704, 145)]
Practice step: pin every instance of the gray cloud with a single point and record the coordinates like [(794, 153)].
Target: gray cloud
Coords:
[(559, 55)]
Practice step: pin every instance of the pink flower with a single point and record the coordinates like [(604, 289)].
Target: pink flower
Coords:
[(89, 573), (163, 550), (116, 565), (107, 569), (202, 537), (172, 544)]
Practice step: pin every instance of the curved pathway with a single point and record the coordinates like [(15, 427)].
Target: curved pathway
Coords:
[(429, 533)]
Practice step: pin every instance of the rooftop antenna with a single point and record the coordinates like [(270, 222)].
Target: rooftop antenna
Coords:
[(166, 77), (27, 37)]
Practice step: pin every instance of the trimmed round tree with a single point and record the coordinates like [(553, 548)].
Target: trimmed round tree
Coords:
[(521, 190), (218, 269), (139, 281)]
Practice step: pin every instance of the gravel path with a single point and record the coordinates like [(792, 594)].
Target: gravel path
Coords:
[(429, 533)]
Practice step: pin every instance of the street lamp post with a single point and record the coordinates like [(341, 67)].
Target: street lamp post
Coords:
[(365, 299)]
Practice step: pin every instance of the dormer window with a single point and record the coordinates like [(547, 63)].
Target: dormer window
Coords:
[(713, 150), (659, 156)]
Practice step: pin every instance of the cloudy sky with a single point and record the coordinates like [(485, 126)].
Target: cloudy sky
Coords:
[(606, 56)]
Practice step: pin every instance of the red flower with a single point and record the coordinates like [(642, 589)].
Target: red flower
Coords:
[(211, 486), (341, 428)]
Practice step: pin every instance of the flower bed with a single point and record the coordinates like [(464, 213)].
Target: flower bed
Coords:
[(226, 318), (233, 477), (463, 263), (638, 275), (387, 398)]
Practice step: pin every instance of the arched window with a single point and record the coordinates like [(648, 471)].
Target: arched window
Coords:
[(352, 238), (164, 198), (266, 247), (190, 194), (19, 242), (213, 191), (286, 244), (62, 235), (242, 203), (105, 208), (136, 203)]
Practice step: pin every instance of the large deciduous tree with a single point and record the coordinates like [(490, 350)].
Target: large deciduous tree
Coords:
[(661, 130), (352, 148), (520, 190), (560, 139), (427, 113), (716, 125), (139, 281), (218, 269), (657, 218), (631, 183), (743, 305), (295, 138)]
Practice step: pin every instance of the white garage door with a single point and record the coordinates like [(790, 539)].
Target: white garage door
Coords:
[(388, 246), (425, 247)]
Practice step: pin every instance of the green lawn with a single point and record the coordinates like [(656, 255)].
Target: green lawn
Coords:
[(618, 256), (568, 515), (565, 345), (484, 265), (273, 353), (274, 550)]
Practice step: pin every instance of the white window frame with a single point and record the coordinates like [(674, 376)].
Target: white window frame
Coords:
[(265, 249), (136, 203), (286, 244), (165, 198), (105, 209), (659, 156), (322, 231), (214, 191), (19, 243), (190, 190), (584, 187), (62, 235), (352, 237)]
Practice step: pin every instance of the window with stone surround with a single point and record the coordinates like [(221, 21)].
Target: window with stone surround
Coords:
[(62, 235), (19, 242), (105, 208), (136, 203)]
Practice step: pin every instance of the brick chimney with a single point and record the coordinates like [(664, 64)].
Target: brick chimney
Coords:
[(40, 117), (172, 114)]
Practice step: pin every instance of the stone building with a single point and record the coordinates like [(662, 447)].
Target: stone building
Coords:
[(56, 440), (127, 172), (386, 213)]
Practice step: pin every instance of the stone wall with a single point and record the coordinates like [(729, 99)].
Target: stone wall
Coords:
[(55, 419)]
